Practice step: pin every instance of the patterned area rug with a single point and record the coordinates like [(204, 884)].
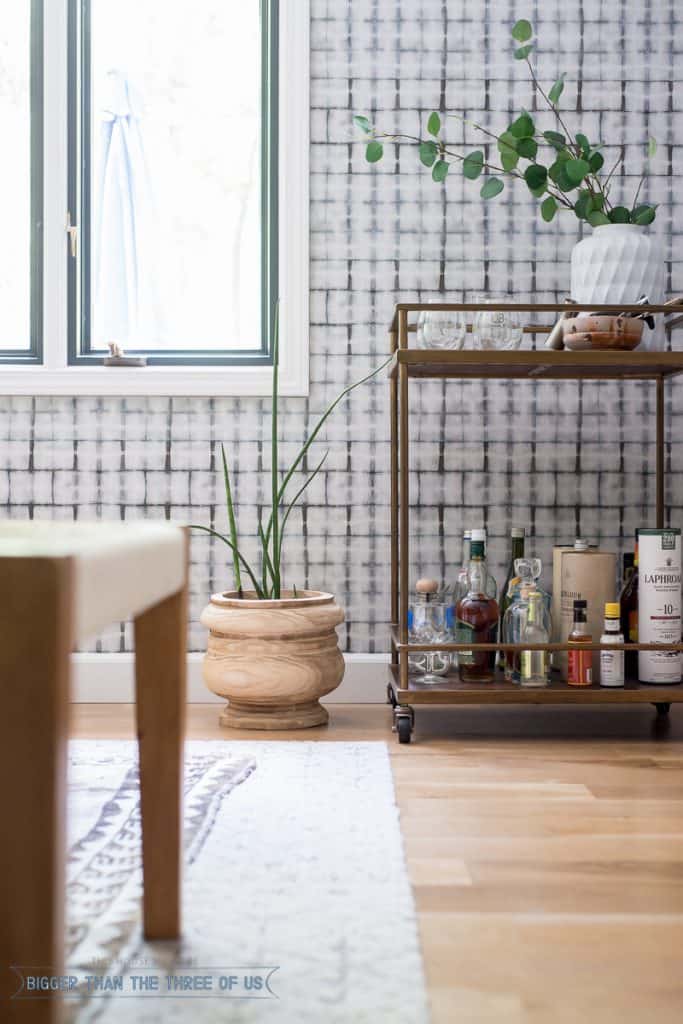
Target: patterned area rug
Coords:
[(297, 905)]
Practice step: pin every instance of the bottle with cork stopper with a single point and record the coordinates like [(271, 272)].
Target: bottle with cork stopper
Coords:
[(427, 624)]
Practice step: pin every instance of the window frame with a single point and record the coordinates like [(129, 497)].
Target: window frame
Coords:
[(32, 355), (218, 375)]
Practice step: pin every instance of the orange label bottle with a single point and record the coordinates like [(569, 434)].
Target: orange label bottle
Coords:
[(580, 667)]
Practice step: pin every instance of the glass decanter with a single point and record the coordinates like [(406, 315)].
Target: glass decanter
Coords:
[(428, 624)]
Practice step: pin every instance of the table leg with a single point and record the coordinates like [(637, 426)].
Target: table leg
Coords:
[(36, 633), (160, 674)]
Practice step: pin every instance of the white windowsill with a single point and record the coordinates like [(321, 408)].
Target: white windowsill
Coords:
[(154, 380)]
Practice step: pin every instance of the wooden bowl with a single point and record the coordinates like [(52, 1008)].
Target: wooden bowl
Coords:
[(601, 331)]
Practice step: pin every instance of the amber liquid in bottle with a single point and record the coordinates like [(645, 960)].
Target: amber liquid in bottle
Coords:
[(628, 612), (477, 621), (580, 662)]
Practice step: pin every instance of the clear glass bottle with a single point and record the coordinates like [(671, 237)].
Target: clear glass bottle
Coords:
[(612, 662), (427, 624), (516, 551), (580, 663), (477, 617), (514, 620), (534, 665)]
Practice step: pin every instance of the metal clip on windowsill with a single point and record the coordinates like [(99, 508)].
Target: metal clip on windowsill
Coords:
[(117, 357)]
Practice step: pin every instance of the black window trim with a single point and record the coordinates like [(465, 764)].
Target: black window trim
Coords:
[(79, 297)]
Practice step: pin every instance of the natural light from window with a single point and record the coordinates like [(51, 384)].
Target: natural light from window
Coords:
[(15, 205), (175, 177)]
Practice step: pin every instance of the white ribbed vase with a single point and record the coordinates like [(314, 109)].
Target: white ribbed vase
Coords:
[(616, 265)]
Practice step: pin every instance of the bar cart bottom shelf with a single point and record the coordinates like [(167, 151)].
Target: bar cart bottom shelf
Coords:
[(452, 690)]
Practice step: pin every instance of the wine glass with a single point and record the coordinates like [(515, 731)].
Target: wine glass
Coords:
[(495, 329), (441, 329)]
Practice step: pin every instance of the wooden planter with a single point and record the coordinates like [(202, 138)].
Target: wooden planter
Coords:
[(273, 660)]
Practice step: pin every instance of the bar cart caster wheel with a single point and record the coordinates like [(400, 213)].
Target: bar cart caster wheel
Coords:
[(663, 707), (404, 728)]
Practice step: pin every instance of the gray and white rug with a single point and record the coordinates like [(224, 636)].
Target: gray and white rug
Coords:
[(297, 904)]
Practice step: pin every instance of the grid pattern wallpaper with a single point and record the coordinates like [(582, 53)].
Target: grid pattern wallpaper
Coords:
[(558, 458)]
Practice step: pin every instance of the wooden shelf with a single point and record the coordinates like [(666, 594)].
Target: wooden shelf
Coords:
[(452, 690), (537, 364)]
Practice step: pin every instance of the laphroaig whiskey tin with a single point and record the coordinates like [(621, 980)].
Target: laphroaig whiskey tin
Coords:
[(659, 604)]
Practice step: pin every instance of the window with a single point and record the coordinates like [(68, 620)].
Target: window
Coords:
[(165, 228), (21, 120)]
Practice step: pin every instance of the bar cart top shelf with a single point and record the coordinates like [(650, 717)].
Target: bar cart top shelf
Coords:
[(534, 364), (538, 364)]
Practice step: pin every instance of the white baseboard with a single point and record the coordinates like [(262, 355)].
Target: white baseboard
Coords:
[(108, 679)]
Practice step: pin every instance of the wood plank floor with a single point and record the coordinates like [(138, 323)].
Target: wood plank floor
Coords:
[(545, 848)]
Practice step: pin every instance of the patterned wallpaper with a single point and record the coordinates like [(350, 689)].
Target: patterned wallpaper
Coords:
[(555, 457)]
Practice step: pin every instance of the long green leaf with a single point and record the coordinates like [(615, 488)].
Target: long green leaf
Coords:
[(221, 536), (267, 566), (275, 500), (231, 521), (318, 427), (296, 498), (321, 422)]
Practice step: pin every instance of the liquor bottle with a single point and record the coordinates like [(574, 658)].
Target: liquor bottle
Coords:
[(517, 551), (628, 567), (580, 671), (535, 664), (461, 584), (477, 617), (612, 662), (628, 614)]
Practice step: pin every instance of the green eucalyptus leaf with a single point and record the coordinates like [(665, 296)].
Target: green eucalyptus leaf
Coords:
[(428, 153), (596, 160), (584, 204), (538, 192), (473, 164), (548, 209), (555, 139), (522, 30), (507, 147), (523, 127), (619, 215), (584, 144), (651, 147), (536, 175), (556, 90), (528, 148), (374, 152), (577, 170), (596, 218), (362, 122), (434, 123), (440, 170), (643, 214), (491, 187), (522, 52)]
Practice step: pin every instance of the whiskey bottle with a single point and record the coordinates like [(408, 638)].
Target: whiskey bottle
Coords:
[(628, 615), (477, 617)]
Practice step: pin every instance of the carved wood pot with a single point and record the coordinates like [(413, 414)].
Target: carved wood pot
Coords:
[(273, 660)]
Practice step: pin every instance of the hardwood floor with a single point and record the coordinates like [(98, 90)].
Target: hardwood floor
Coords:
[(545, 848)]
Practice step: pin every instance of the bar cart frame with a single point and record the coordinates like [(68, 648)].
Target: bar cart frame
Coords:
[(404, 691)]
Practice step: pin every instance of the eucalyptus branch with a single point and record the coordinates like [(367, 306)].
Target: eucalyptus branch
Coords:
[(552, 106)]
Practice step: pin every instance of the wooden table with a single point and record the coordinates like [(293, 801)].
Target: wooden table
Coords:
[(61, 584)]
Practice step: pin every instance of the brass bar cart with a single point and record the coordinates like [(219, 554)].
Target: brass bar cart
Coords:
[(410, 363)]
